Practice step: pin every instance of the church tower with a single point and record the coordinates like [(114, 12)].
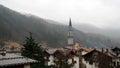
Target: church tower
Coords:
[(70, 33)]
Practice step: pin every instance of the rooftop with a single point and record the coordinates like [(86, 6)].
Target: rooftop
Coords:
[(12, 59)]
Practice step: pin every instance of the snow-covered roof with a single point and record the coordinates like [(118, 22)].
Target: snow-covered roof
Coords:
[(12, 59), (10, 56)]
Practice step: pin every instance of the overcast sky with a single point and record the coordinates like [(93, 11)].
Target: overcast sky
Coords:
[(102, 13)]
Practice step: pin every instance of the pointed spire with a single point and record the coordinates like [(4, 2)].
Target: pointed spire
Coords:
[(70, 33), (70, 23)]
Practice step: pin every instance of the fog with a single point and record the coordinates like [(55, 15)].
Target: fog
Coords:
[(101, 13)]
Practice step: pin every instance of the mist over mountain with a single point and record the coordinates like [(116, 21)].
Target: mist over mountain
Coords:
[(15, 26), (110, 32)]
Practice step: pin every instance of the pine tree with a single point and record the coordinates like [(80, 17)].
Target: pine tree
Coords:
[(33, 51)]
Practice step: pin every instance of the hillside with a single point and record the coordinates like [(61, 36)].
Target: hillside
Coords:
[(15, 26), (111, 32)]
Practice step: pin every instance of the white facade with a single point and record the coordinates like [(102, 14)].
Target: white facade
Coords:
[(77, 62), (75, 58), (87, 64), (51, 61)]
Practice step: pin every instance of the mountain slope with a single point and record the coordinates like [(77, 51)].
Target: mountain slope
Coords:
[(111, 32), (15, 26)]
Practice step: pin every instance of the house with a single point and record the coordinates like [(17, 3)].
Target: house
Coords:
[(10, 60), (99, 59), (116, 61), (116, 50), (70, 54), (49, 56)]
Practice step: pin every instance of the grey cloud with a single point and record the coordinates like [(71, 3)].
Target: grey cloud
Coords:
[(102, 13)]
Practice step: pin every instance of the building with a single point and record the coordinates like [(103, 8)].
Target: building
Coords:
[(70, 54), (10, 60), (49, 56), (70, 34), (116, 61), (98, 58)]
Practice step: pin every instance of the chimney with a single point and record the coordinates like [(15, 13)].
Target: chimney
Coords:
[(102, 50), (107, 50)]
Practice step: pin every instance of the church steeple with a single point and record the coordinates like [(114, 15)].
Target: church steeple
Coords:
[(70, 33), (70, 23)]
